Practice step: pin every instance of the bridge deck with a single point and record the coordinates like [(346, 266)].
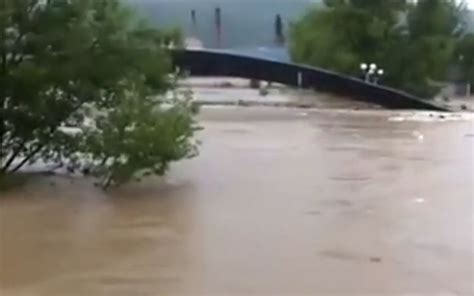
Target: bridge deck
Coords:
[(218, 63)]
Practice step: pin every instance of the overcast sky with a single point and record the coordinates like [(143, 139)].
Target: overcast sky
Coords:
[(470, 2)]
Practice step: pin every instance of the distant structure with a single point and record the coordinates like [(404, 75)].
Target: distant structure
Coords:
[(279, 31), (193, 43), (218, 24), (193, 18), (194, 27)]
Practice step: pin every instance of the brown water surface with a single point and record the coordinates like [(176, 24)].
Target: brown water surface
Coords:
[(280, 202)]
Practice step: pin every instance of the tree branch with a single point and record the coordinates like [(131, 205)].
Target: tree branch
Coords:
[(13, 157), (27, 158), (15, 57)]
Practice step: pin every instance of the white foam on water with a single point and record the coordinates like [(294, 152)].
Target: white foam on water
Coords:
[(426, 116)]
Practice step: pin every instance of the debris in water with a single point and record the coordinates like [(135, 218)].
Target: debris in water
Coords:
[(313, 213), (225, 84), (375, 259), (254, 83), (396, 119), (243, 103), (418, 135), (419, 200)]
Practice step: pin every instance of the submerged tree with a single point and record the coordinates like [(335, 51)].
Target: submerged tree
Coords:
[(92, 65)]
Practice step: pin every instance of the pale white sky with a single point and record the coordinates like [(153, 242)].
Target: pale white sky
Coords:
[(470, 2)]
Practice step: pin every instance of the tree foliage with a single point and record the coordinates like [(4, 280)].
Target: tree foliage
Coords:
[(465, 55), (93, 65), (414, 43)]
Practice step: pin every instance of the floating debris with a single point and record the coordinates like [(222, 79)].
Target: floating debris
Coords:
[(375, 259), (418, 135), (422, 116), (263, 92), (419, 200)]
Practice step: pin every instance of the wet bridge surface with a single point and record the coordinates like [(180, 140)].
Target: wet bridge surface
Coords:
[(221, 63)]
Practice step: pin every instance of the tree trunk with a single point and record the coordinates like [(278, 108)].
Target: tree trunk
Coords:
[(3, 71)]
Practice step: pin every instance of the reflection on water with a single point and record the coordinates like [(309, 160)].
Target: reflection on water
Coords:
[(279, 202)]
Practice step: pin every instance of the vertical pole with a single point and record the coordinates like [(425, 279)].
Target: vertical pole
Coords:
[(279, 35), (194, 22), (193, 17), (218, 23), (300, 79)]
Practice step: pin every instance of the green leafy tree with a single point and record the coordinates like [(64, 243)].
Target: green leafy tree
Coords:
[(465, 55), (432, 29), (93, 65), (414, 43), (345, 34)]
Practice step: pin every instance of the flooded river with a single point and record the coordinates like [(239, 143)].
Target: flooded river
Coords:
[(280, 202)]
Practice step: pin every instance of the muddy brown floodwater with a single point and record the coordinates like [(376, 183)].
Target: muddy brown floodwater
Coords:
[(280, 202)]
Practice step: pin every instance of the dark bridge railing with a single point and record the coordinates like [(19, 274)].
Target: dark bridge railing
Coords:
[(217, 63)]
